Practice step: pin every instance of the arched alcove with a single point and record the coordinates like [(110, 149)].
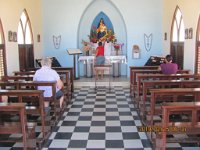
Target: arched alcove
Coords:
[(106, 7)]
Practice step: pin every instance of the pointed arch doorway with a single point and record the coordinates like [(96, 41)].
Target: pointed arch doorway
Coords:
[(178, 38), (25, 42)]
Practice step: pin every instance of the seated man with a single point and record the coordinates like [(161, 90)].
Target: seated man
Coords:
[(168, 67), (47, 74)]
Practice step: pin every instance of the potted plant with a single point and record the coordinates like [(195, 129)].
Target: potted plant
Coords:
[(93, 35), (86, 47), (117, 48)]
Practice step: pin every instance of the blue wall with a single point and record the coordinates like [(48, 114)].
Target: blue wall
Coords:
[(62, 17)]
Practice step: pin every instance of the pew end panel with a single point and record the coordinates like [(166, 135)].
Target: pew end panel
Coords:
[(189, 126), (19, 125)]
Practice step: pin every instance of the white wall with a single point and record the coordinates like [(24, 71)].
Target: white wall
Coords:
[(10, 11), (190, 11), (63, 17)]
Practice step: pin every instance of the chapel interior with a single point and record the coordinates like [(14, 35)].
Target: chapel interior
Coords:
[(131, 106)]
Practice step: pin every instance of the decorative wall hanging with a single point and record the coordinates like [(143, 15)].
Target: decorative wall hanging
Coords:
[(10, 36), (14, 36), (186, 33), (38, 38), (136, 52), (165, 36), (148, 41), (190, 33), (56, 41)]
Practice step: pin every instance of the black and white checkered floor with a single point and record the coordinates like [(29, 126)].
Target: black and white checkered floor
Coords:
[(99, 120)]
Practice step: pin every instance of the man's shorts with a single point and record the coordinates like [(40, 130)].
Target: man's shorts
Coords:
[(100, 60), (59, 94)]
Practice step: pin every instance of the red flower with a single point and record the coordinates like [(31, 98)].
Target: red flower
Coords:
[(117, 47)]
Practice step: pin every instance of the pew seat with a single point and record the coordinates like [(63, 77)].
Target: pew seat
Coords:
[(190, 129), (18, 126), (34, 109)]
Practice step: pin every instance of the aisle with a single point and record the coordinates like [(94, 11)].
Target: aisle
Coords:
[(99, 120)]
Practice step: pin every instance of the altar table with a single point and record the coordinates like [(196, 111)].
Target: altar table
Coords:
[(110, 59)]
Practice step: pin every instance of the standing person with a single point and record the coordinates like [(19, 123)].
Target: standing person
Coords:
[(101, 30), (45, 73), (100, 59), (168, 67)]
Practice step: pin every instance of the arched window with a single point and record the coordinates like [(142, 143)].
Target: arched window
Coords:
[(25, 42), (177, 38), (197, 68), (3, 70)]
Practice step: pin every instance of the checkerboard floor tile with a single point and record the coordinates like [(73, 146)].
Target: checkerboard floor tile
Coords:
[(100, 120)]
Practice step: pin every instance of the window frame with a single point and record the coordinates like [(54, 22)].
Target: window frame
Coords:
[(3, 47), (197, 53), (24, 29)]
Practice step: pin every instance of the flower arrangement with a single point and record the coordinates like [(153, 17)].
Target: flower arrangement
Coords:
[(117, 47), (93, 35), (86, 46), (111, 36)]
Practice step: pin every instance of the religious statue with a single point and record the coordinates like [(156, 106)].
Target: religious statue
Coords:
[(101, 30)]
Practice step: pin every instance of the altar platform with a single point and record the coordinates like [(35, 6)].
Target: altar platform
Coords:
[(115, 81)]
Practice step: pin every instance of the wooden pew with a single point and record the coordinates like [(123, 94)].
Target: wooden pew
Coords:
[(171, 94), (189, 127), (145, 77), (17, 78), (33, 85), (64, 74), (54, 103), (132, 68), (30, 78), (35, 106), (133, 84), (147, 85), (70, 69), (22, 73), (140, 68), (17, 127)]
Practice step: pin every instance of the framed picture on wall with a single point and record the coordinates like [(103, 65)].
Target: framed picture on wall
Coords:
[(165, 36), (190, 33), (186, 33), (136, 52), (14, 36), (10, 36), (38, 38)]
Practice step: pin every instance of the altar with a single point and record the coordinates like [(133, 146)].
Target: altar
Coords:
[(115, 61), (115, 54)]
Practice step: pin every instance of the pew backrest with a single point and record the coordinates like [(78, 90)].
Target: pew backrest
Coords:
[(144, 77), (20, 126)]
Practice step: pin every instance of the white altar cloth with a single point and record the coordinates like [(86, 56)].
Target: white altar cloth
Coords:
[(110, 59)]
